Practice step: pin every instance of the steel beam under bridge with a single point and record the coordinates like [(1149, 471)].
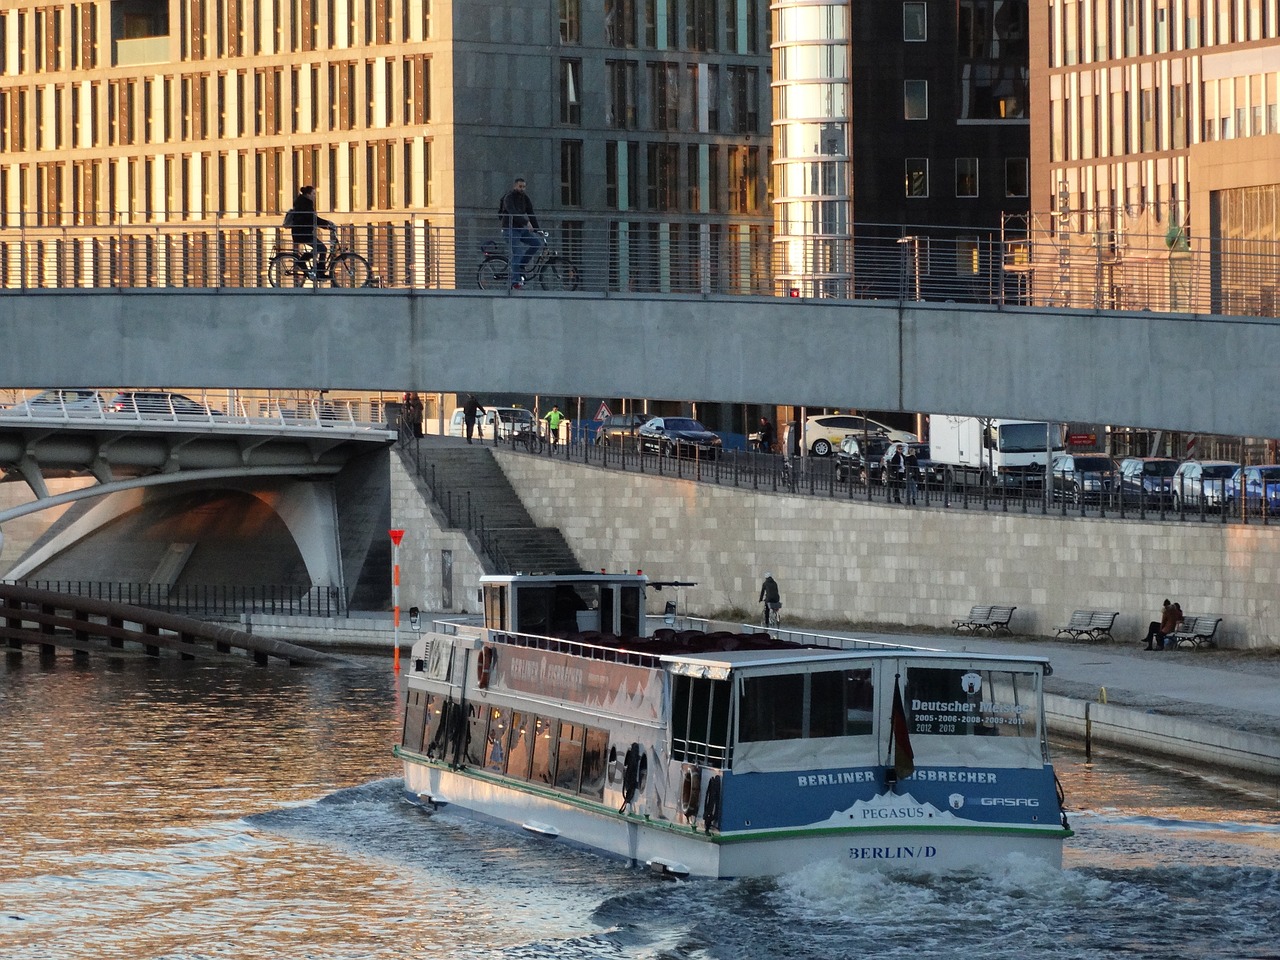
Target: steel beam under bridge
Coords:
[(1200, 373)]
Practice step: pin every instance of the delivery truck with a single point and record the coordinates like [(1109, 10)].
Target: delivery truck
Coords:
[(982, 450)]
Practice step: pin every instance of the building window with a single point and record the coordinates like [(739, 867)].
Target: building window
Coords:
[(915, 99), (966, 176), (621, 95), (620, 23), (914, 21), (571, 173), (664, 95), (917, 180), (570, 92), (1015, 177), (621, 175), (700, 25), (744, 99), (661, 25), (570, 21), (664, 166)]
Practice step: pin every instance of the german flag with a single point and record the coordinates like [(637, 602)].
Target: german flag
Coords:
[(904, 758)]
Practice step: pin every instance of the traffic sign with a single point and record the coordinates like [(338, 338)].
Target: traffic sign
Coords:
[(603, 413)]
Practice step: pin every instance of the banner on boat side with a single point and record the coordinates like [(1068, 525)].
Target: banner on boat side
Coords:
[(616, 689)]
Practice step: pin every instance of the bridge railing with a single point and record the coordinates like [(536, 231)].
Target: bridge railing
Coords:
[(204, 600), (1107, 270)]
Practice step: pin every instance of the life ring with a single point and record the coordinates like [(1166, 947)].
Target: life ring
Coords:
[(711, 805), (691, 791), (484, 666)]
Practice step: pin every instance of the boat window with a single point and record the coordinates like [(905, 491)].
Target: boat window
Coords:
[(544, 731), (772, 708), (495, 606), (415, 719), (700, 720), (431, 729), (549, 610), (632, 603), (607, 597), (520, 751), (477, 723), (957, 701), (828, 703), (594, 763), (495, 752), (569, 757)]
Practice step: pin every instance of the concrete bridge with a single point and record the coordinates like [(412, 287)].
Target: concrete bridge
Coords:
[(1192, 372)]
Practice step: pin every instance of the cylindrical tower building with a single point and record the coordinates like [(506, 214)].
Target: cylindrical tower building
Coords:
[(811, 145)]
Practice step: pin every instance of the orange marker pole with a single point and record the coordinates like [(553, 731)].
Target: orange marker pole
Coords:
[(396, 537)]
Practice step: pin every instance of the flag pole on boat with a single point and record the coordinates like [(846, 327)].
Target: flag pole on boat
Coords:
[(396, 537)]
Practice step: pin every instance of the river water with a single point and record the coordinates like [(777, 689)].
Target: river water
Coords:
[(160, 809)]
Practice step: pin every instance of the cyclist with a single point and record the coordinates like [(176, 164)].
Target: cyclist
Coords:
[(554, 418), (766, 436), (304, 223), (771, 599), (520, 228)]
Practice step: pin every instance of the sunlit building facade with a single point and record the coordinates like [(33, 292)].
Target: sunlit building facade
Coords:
[(642, 126)]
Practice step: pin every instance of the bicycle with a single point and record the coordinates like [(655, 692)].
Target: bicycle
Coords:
[(772, 617), (553, 270), (342, 267), (528, 434)]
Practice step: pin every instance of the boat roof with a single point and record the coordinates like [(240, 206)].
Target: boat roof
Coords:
[(723, 661), (582, 577)]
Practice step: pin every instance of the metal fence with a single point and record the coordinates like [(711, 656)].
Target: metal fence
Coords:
[(828, 478), (206, 600), (1023, 265)]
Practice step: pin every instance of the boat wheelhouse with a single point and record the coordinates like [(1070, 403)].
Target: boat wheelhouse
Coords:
[(725, 752)]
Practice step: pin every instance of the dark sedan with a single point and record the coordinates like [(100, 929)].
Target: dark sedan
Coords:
[(153, 404), (1083, 477), (1148, 481), (621, 427), (679, 437)]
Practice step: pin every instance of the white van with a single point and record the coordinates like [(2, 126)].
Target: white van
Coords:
[(506, 417)]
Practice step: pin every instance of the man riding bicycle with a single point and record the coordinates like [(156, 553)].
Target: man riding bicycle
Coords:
[(771, 599), (304, 222), (520, 228)]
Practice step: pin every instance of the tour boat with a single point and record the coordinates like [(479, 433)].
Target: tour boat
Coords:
[(709, 752)]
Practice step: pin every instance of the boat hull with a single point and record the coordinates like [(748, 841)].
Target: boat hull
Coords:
[(684, 849)]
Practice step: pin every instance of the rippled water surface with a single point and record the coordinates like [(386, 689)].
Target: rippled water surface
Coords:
[(186, 811)]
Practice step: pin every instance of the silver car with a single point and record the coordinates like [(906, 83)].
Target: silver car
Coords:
[(57, 403), (1202, 484)]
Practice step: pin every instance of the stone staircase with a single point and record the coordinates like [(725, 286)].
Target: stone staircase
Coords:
[(474, 494)]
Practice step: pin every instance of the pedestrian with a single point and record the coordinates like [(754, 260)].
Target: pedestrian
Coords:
[(416, 409), (766, 437), (470, 410), (554, 418), (304, 223), (896, 471), (520, 228), (771, 598), (912, 474), (1170, 615)]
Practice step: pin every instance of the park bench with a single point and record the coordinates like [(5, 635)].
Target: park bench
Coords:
[(1090, 625), (1196, 632), (993, 619)]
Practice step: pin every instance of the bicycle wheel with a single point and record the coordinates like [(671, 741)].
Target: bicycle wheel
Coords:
[(494, 273), (559, 274), (349, 270), (286, 270)]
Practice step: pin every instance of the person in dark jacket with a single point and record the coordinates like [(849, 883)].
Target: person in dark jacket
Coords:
[(771, 599), (470, 410), (304, 223), (520, 228)]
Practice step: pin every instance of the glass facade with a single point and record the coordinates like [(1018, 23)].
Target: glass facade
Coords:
[(812, 199)]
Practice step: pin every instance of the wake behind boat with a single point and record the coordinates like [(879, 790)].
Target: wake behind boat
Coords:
[(725, 753)]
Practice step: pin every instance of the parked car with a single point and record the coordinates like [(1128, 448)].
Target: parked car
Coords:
[(1147, 481), (861, 457), (1261, 489), (823, 433), (509, 420), (159, 403), (1202, 484), (621, 427), (930, 474), (678, 437), (62, 401), (1083, 477)]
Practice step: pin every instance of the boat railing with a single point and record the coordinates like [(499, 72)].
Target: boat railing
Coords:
[(598, 647), (801, 637)]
